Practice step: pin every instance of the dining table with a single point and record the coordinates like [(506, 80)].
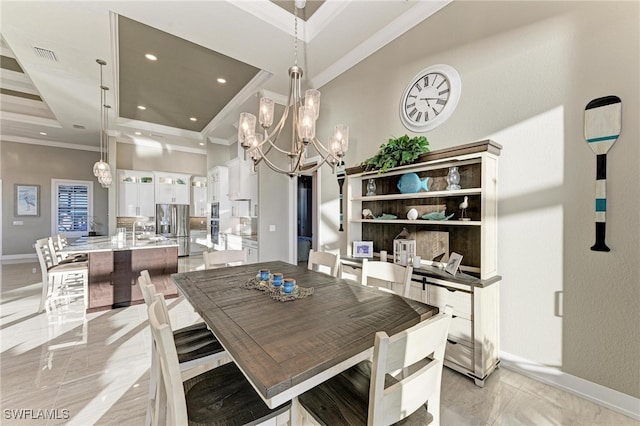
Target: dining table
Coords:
[(285, 348)]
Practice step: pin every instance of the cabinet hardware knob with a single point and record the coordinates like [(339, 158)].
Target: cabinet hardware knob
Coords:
[(452, 342)]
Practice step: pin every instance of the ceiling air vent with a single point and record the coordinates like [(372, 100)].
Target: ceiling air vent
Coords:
[(45, 54)]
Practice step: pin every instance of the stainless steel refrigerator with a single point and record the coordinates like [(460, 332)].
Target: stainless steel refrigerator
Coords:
[(172, 221)]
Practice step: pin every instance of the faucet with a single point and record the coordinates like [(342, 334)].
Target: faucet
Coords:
[(144, 228)]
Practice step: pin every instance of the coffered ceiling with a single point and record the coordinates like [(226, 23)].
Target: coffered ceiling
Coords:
[(49, 81)]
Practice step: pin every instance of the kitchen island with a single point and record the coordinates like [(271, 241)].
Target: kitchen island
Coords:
[(114, 268)]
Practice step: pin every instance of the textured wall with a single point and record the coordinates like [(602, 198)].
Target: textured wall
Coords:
[(528, 70)]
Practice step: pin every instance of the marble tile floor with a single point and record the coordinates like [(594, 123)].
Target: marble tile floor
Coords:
[(87, 369)]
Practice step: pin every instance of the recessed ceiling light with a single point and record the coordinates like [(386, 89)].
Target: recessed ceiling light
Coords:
[(201, 143), (221, 80), (142, 107), (151, 57), (43, 133), (138, 133), (193, 119)]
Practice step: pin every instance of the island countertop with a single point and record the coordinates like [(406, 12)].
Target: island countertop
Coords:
[(114, 267), (100, 244)]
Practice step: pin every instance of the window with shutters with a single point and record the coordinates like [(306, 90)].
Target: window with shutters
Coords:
[(72, 207)]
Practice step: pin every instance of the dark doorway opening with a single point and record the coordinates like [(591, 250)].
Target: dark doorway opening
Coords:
[(305, 217)]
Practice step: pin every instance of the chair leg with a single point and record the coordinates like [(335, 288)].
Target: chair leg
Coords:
[(45, 294)]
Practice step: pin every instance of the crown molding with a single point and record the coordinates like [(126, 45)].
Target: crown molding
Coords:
[(20, 139), (30, 119), (149, 143), (240, 98), (412, 17)]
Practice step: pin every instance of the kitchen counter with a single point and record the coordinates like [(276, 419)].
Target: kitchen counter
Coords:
[(114, 268), (252, 237), (98, 244)]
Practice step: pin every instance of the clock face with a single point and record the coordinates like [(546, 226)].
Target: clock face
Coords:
[(430, 98)]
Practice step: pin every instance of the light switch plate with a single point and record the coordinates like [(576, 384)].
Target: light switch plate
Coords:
[(272, 228), (18, 222)]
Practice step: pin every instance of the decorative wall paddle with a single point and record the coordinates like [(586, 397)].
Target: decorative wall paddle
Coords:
[(602, 125)]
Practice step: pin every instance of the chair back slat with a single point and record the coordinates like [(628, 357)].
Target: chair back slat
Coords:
[(322, 261), (389, 272), (169, 366), (222, 258), (425, 342)]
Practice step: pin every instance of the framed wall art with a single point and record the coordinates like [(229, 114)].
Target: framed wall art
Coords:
[(27, 200)]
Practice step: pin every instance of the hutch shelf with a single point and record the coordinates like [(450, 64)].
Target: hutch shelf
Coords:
[(473, 341)]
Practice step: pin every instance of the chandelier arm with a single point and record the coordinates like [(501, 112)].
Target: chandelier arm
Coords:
[(271, 165)]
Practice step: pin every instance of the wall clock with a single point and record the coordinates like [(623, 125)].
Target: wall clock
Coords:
[(430, 98)]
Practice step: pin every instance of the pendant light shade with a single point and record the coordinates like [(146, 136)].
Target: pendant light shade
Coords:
[(101, 169)]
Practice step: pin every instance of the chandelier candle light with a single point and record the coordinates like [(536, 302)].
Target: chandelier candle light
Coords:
[(303, 130), (101, 169)]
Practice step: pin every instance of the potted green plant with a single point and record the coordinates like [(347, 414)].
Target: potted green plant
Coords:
[(397, 152)]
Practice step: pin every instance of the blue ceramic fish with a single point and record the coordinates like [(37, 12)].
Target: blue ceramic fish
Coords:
[(410, 183)]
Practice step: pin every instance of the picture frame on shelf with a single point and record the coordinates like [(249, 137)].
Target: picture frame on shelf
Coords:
[(454, 263), (27, 200), (363, 249)]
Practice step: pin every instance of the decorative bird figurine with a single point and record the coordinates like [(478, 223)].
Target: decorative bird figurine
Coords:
[(463, 206)]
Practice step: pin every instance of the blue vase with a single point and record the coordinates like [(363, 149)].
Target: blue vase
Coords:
[(410, 183)]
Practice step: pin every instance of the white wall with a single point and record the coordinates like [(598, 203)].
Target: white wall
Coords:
[(528, 70)]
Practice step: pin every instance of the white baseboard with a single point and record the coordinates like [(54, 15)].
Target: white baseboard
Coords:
[(19, 258), (598, 394)]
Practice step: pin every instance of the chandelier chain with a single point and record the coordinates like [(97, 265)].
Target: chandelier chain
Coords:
[(295, 31)]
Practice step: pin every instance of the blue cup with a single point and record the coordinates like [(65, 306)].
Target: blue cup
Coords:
[(264, 274), (277, 279), (289, 284)]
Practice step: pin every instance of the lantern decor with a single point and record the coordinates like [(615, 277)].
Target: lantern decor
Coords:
[(404, 248)]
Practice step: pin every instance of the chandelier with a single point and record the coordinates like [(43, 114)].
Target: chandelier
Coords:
[(304, 112), (101, 168)]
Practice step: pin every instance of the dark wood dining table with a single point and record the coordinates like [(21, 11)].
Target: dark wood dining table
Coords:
[(287, 348)]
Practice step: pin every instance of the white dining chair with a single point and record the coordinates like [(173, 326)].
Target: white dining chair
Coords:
[(60, 281), (393, 274), (222, 258), (220, 396), (323, 261), (196, 347), (368, 394), (59, 242)]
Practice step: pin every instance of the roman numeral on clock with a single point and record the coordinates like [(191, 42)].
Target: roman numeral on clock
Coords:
[(412, 112), (410, 106), (441, 101)]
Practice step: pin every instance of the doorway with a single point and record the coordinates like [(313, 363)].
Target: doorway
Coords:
[(304, 217)]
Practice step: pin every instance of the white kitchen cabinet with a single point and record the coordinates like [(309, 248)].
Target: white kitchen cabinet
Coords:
[(136, 193), (218, 184), (172, 188), (234, 242), (196, 238), (239, 179), (199, 196), (251, 246), (254, 194)]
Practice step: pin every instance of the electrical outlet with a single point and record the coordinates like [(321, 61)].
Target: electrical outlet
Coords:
[(18, 222), (272, 228)]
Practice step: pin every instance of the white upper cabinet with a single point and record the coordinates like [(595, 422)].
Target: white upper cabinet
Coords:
[(218, 184), (172, 188), (198, 196), (239, 179), (136, 193)]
